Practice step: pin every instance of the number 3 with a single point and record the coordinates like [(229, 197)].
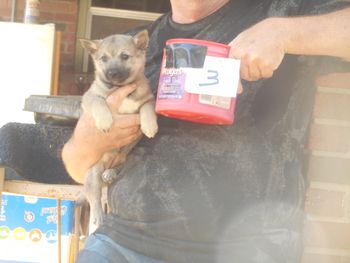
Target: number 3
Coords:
[(213, 76)]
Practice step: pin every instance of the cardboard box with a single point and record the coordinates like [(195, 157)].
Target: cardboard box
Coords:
[(28, 229)]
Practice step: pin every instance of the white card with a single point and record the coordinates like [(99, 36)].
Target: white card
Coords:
[(218, 77)]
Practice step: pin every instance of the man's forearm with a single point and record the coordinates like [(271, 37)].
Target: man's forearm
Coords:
[(327, 34), (76, 161), (261, 48)]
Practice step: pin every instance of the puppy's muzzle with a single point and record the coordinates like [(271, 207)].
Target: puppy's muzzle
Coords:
[(117, 75)]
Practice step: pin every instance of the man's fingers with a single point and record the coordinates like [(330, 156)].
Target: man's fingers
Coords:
[(126, 120), (266, 73), (240, 87), (235, 52), (118, 143), (254, 72), (244, 72), (114, 100), (124, 133)]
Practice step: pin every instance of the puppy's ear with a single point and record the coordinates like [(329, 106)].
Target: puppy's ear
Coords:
[(141, 40), (90, 45)]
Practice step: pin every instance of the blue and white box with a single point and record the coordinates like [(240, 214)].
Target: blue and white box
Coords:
[(28, 229)]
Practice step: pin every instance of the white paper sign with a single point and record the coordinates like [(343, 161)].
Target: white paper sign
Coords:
[(218, 77)]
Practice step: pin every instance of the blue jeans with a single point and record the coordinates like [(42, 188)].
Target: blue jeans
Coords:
[(102, 249)]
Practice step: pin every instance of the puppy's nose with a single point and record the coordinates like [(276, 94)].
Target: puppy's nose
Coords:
[(112, 73), (117, 74)]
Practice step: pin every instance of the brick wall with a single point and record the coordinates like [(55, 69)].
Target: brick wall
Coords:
[(327, 227), (64, 14)]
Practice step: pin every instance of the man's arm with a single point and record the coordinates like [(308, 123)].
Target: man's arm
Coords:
[(88, 144), (262, 47)]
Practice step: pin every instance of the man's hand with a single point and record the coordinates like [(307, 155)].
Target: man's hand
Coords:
[(88, 144), (260, 50), (262, 47)]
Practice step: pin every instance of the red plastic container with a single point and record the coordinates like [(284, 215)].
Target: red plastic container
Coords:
[(173, 101)]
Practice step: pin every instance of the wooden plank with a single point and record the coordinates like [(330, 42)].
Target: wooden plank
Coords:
[(56, 64), (59, 230), (58, 191), (76, 235), (2, 181)]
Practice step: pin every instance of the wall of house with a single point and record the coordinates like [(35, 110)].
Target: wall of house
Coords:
[(64, 14), (327, 227)]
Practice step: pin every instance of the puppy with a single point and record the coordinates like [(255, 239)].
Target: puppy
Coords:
[(119, 60)]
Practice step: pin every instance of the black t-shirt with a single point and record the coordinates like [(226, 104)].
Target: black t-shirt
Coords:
[(208, 193)]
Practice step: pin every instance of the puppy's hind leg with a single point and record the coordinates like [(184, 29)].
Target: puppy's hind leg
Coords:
[(93, 191)]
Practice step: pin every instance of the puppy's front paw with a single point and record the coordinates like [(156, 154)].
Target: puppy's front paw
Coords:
[(104, 123), (149, 126)]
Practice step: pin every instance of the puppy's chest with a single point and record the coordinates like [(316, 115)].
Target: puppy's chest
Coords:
[(130, 105)]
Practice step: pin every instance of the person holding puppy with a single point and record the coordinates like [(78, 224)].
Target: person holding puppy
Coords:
[(208, 193)]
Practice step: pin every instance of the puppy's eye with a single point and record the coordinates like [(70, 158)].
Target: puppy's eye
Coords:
[(124, 56), (104, 58)]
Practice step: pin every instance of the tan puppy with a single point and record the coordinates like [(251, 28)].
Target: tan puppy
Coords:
[(119, 60)]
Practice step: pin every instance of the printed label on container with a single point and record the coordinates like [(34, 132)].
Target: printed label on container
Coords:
[(171, 84), (217, 101)]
